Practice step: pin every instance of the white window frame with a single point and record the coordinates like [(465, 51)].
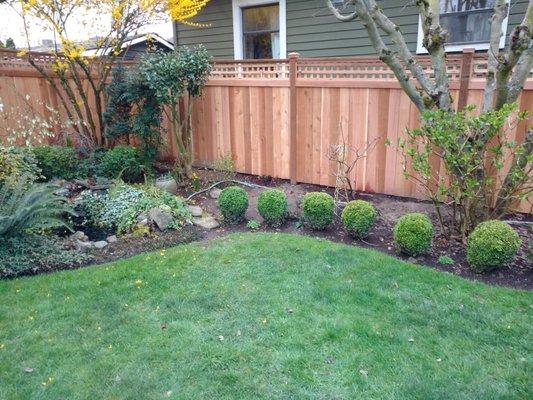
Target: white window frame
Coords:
[(238, 5), (420, 49)]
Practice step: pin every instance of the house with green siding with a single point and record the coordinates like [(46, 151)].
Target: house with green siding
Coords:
[(262, 29)]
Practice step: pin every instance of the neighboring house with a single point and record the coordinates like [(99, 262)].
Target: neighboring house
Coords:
[(136, 46), (248, 29)]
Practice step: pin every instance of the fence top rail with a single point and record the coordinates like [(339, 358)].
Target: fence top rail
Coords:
[(352, 67)]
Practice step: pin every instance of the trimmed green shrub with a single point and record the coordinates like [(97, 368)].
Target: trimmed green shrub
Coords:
[(121, 161), (358, 218), (413, 234), (318, 210), (491, 245), (233, 203), (272, 206), (56, 161)]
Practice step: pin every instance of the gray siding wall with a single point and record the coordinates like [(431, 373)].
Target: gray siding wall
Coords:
[(311, 29)]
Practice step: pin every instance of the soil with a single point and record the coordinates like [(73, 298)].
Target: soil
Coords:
[(519, 274)]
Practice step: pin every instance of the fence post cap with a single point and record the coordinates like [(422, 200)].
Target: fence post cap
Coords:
[(294, 54), (469, 50)]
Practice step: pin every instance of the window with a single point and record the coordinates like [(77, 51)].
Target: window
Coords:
[(467, 22), (259, 29)]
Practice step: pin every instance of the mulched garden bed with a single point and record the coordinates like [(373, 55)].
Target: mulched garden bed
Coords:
[(390, 208), (518, 275)]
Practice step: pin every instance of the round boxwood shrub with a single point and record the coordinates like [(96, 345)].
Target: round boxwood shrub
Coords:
[(358, 218), (56, 161), (272, 206), (121, 162), (318, 210), (413, 234), (491, 245), (233, 203)]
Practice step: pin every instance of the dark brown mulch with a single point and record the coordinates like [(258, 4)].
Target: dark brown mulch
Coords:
[(519, 274)]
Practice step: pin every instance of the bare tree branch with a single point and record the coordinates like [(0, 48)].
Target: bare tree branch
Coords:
[(385, 54), (410, 61), (500, 12), (434, 39), (520, 42), (338, 15)]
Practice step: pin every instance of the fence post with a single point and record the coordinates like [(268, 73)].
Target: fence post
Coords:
[(466, 73), (293, 72)]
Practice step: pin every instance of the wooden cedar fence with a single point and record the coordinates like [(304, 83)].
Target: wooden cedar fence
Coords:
[(281, 117)]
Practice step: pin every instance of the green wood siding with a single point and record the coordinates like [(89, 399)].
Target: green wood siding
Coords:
[(311, 29), (218, 36)]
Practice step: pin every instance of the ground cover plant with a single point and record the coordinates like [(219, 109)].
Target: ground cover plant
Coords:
[(313, 319)]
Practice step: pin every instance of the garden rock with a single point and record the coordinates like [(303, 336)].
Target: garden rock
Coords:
[(100, 244), (112, 239), (167, 184), (79, 235), (206, 222), (143, 222), (215, 193), (161, 216), (83, 245), (196, 211), (141, 218)]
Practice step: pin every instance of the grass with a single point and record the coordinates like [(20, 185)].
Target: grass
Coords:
[(263, 316)]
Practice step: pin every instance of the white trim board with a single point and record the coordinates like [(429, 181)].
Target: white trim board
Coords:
[(237, 5), (420, 49)]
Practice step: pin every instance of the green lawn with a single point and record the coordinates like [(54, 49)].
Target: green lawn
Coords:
[(263, 316)]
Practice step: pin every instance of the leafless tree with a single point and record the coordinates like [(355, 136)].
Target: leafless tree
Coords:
[(508, 69)]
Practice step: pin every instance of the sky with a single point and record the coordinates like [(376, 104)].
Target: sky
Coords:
[(11, 26)]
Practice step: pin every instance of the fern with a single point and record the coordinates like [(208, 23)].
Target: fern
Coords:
[(24, 207)]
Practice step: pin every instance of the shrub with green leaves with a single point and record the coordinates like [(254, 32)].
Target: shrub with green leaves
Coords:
[(358, 218), (492, 244), (318, 210), (233, 203), (57, 161), (18, 162), (413, 234), (272, 206), (121, 162)]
